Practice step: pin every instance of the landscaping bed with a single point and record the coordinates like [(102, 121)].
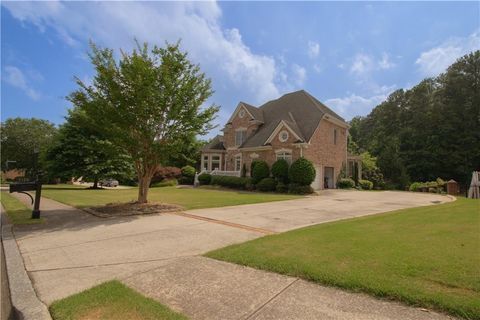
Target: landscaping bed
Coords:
[(425, 256), (132, 209)]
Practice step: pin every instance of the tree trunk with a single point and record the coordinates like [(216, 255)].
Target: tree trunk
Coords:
[(143, 186), (95, 183)]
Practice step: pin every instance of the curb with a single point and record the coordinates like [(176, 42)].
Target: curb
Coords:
[(25, 302)]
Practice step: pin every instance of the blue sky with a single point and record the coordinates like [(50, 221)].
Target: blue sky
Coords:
[(350, 55)]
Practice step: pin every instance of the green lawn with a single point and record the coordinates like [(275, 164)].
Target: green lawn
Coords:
[(110, 301), (17, 212), (187, 198), (427, 256)]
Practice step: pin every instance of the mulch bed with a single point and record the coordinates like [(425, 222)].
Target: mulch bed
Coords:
[(132, 209)]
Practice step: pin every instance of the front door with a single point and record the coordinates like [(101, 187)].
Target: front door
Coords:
[(328, 178)]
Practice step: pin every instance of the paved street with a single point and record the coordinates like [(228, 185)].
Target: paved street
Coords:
[(159, 256)]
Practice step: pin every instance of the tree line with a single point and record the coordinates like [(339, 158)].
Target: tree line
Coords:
[(431, 130)]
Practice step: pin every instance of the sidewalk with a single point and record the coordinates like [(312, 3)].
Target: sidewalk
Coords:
[(158, 255)]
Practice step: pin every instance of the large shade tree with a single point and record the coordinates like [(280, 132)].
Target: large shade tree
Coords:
[(80, 150), (147, 102), (24, 141)]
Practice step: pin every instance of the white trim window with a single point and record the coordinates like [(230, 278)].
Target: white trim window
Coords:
[(286, 155), (240, 136), (238, 162), (205, 162), (215, 162), (241, 113)]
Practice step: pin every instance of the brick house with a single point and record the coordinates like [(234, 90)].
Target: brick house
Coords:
[(292, 126)]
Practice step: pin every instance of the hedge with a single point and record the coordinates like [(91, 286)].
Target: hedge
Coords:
[(281, 187), (165, 183), (365, 184), (302, 172), (260, 171), (188, 171), (345, 183), (267, 184), (280, 170), (296, 188), (205, 178), (230, 182)]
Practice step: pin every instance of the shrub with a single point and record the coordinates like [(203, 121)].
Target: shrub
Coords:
[(416, 186), (295, 188), (168, 173), (252, 165), (204, 178), (302, 172), (432, 190), (185, 180), (267, 184), (365, 184), (260, 171), (188, 171), (280, 170), (230, 182), (345, 183), (165, 183), (281, 187)]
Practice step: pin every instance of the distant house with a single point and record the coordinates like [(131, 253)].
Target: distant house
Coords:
[(292, 126)]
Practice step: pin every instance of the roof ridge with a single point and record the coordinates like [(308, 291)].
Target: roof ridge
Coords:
[(320, 105)]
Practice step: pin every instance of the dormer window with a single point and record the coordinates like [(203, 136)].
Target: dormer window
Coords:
[(283, 136), (240, 136)]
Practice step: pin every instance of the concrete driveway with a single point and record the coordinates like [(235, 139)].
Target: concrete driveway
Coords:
[(74, 251)]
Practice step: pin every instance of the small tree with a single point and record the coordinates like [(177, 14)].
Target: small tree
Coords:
[(260, 171), (280, 170), (148, 103), (78, 150), (302, 172)]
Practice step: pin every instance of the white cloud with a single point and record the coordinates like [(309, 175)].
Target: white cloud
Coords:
[(299, 75), (354, 105), (313, 49), (221, 52), (385, 62), (16, 78), (436, 60), (361, 64)]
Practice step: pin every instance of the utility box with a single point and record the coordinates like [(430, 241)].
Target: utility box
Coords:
[(452, 187)]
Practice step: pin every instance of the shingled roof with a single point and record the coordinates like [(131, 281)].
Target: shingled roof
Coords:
[(299, 110), (216, 144)]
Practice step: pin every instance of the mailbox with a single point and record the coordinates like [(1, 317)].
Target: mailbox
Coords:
[(21, 187)]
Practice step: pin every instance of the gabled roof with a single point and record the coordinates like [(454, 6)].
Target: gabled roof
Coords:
[(254, 113), (216, 144), (299, 110)]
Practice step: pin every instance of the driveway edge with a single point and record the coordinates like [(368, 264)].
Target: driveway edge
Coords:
[(25, 302)]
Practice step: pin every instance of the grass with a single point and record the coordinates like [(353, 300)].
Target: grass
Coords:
[(110, 300), (17, 212), (426, 256), (188, 198)]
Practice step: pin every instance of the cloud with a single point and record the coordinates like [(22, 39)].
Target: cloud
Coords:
[(354, 105), (313, 49), (222, 53), (299, 75), (385, 62), (16, 78), (436, 60), (361, 64)]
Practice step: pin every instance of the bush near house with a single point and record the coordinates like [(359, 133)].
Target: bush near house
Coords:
[(280, 170), (166, 173), (188, 175), (345, 183), (267, 184), (260, 170), (365, 184), (295, 188), (205, 178), (302, 172), (436, 186), (230, 182), (281, 187)]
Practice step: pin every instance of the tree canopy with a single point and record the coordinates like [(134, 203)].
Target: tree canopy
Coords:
[(429, 131), (148, 103), (20, 137), (78, 150)]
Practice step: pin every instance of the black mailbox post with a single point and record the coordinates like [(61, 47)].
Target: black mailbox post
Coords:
[(36, 186)]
